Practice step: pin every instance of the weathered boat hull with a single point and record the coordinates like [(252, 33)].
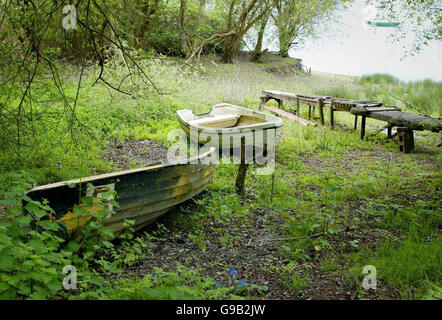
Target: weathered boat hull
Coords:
[(143, 194), (259, 129)]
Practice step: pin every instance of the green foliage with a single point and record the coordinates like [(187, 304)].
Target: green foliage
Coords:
[(291, 279), (422, 17), (298, 20), (379, 78), (183, 284), (433, 292), (420, 96), (33, 254), (405, 265), (330, 189)]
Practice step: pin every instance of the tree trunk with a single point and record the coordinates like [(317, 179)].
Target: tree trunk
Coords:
[(256, 55), (144, 25), (197, 23), (284, 45), (183, 36), (231, 48)]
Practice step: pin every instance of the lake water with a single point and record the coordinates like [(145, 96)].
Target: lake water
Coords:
[(358, 50)]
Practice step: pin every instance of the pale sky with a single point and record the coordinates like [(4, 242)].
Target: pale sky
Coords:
[(358, 50)]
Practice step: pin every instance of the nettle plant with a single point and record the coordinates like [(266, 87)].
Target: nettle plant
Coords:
[(34, 252)]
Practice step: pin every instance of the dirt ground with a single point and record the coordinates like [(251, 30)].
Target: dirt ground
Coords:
[(256, 255), (138, 153)]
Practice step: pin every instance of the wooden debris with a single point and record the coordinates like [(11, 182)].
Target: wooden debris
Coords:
[(290, 116)]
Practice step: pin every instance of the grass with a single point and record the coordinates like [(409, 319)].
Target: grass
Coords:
[(379, 78), (338, 203)]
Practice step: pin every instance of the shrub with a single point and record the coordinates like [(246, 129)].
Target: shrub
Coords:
[(379, 78), (34, 253)]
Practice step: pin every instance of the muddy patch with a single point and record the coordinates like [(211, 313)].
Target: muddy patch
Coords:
[(135, 154)]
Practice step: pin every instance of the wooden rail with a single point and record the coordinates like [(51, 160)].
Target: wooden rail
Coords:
[(290, 116)]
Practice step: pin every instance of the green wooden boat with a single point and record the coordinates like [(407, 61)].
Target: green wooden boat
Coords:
[(382, 23), (224, 125), (143, 194)]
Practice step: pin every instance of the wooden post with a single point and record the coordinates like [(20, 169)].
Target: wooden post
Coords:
[(309, 112), (242, 168), (264, 99), (363, 127), (280, 103), (332, 120), (321, 111), (389, 131), (356, 122), (297, 106), (405, 140)]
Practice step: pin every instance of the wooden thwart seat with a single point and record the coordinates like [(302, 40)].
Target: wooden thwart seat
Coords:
[(224, 120)]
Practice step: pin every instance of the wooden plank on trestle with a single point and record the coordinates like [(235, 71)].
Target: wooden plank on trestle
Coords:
[(290, 116), (361, 110), (280, 95), (405, 119)]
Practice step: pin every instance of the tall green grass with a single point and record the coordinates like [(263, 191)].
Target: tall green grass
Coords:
[(423, 96), (379, 78)]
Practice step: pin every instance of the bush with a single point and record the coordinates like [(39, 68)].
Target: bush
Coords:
[(185, 284), (379, 78), (34, 253)]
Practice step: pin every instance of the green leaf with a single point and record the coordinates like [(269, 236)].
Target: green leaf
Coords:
[(54, 285), (108, 244), (37, 245), (73, 246), (24, 220), (114, 203), (32, 207), (80, 211), (49, 225), (38, 295), (88, 201), (7, 262)]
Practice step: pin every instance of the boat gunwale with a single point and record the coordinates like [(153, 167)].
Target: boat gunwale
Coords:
[(185, 161), (277, 123)]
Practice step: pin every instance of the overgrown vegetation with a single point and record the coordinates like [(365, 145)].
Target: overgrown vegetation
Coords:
[(341, 203), (334, 205)]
